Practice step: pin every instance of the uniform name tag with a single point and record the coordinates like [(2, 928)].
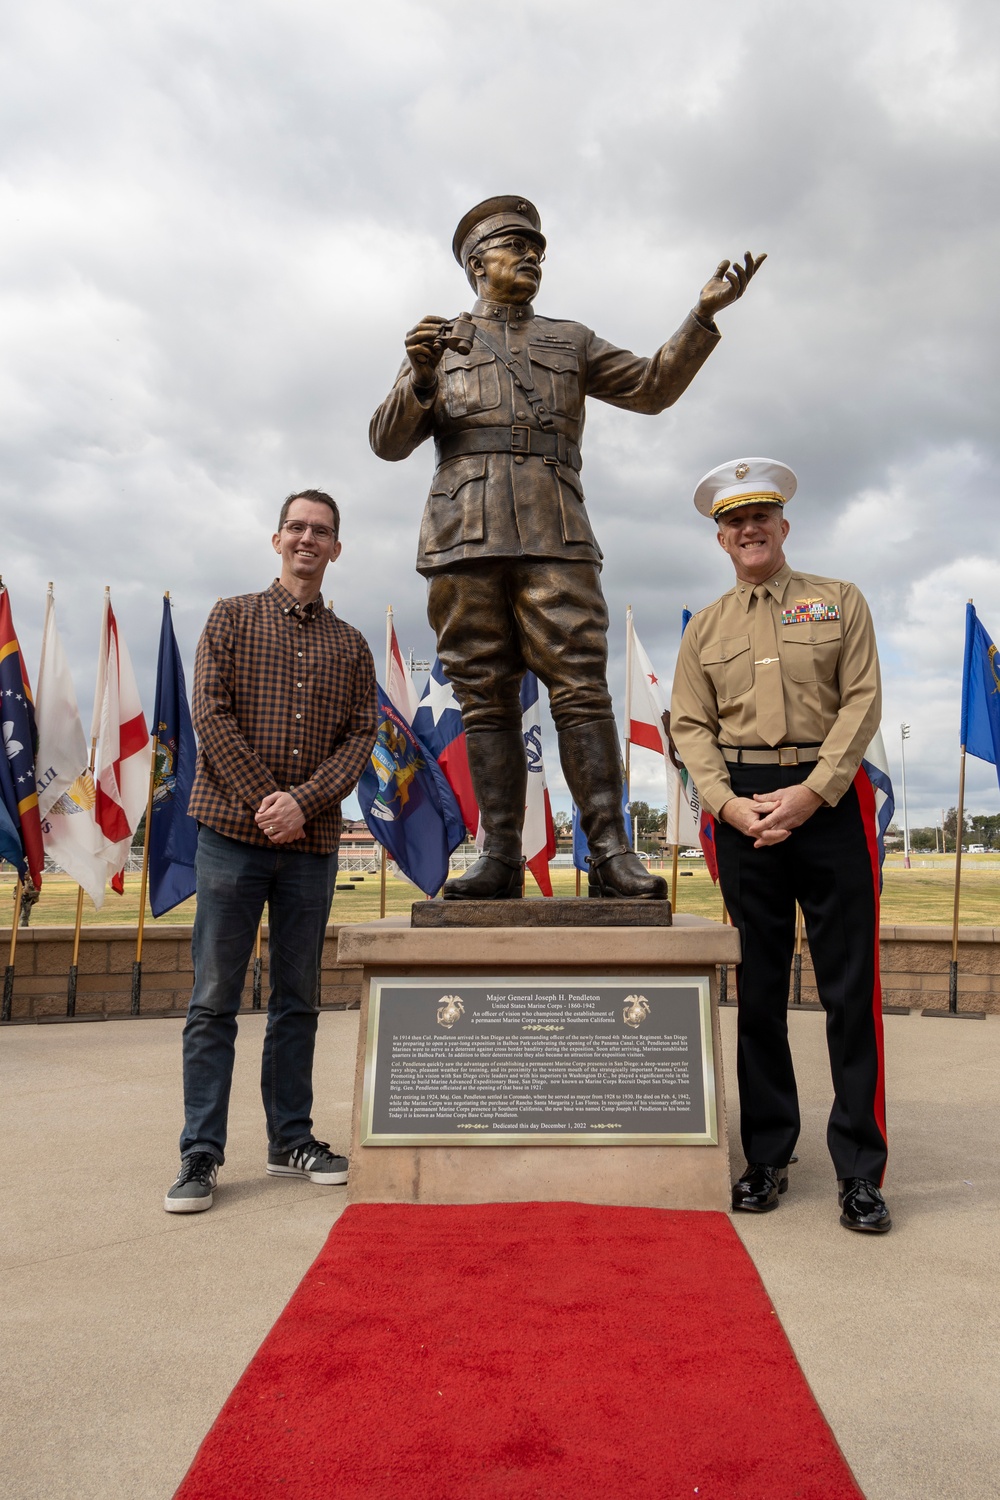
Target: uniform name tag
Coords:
[(809, 612)]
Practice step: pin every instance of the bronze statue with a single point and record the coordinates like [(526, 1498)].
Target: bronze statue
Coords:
[(512, 564)]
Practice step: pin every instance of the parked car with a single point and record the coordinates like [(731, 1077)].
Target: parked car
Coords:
[(691, 854)]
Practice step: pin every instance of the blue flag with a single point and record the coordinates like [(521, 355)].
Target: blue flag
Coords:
[(10, 839), (581, 848), (172, 835), (407, 803), (980, 693)]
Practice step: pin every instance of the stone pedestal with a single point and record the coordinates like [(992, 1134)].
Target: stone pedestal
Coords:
[(654, 1175)]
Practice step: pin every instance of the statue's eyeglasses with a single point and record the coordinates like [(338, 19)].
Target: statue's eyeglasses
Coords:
[(518, 245), (323, 534)]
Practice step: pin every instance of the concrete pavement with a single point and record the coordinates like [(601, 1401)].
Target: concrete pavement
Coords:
[(125, 1328)]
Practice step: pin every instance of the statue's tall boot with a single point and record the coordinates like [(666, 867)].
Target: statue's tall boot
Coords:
[(500, 779), (591, 761)]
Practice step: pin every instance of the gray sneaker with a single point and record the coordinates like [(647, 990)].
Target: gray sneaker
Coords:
[(313, 1159), (192, 1192)]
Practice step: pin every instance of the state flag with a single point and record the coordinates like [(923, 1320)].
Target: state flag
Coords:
[(646, 703), (407, 802), (539, 837), (438, 725), (172, 835), (66, 792), (122, 782), (399, 688), (18, 790)]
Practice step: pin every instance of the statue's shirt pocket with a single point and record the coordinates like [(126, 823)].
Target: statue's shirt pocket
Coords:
[(556, 373), (471, 383)]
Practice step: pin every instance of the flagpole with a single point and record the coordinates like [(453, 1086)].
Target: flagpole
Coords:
[(960, 820), (388, 669), (8, 978), (137, 965), (628, 702), (95, 728), (676, 839)]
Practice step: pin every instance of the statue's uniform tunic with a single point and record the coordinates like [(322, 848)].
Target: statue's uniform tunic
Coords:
[(505, 517), (829, 677)]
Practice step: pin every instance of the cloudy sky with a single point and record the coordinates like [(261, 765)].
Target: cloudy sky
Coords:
[(218, 222)]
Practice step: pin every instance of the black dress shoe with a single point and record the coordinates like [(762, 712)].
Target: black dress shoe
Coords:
[(625, 877), (758, 1188), (862, 1206), (488, 879)]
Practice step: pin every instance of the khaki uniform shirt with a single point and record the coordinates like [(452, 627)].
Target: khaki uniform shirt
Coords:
[(510, 503), (829, 674)]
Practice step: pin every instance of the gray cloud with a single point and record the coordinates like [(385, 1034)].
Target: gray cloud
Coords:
[(221, 223)]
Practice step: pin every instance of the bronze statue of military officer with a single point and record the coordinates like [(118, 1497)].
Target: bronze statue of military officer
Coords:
[(512, 564)]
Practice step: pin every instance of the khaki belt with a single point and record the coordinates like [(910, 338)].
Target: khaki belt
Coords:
[(783, 755), (551, 447)]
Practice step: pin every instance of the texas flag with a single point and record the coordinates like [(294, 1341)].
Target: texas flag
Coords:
[(539, 839), (438, 725)]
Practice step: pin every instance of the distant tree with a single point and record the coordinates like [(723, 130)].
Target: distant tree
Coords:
[(923, 838), (986, 829), (562, 822), (951, 827)]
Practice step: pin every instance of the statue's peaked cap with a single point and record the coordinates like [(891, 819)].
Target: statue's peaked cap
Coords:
[(490, 217)]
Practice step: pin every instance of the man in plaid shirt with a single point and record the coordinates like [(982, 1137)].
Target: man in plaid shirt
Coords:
[(285, 708)]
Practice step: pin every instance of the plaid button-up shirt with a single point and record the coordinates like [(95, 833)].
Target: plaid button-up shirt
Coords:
[(284, 700)]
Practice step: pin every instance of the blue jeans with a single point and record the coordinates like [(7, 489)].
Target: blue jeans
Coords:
[(234, 882)]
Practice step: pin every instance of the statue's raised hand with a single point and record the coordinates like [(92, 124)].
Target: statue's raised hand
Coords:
[(729, 282)]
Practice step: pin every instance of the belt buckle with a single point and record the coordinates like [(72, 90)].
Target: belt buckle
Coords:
[(788, 755), (520, 444)]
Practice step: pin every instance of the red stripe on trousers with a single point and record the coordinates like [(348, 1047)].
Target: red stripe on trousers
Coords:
[(866, 802)]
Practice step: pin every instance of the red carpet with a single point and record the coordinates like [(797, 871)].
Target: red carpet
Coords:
[(515, 1351)]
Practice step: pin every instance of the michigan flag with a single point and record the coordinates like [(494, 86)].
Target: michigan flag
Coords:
[(980, 693), (17, 764), (407, 803), (172, 835)]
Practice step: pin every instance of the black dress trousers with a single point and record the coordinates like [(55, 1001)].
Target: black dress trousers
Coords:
[(830, 866)]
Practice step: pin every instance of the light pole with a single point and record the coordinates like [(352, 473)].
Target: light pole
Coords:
[(904, 735)]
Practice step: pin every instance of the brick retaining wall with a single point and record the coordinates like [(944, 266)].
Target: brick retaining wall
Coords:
[(104, 972), (914, 970)]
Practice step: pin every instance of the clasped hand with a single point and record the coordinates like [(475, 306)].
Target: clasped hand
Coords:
[(280, 817), (769, 817)]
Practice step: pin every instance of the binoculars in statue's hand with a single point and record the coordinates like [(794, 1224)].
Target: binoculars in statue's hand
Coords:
[(458, 334)]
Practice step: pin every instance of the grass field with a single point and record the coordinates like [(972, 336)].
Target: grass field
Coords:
[(919, 895)]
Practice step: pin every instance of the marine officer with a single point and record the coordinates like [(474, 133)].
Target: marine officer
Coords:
[(512, 563), (775, 700)]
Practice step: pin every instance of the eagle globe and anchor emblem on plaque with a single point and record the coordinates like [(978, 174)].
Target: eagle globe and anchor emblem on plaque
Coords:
[(635, 1009), (450, 1009)]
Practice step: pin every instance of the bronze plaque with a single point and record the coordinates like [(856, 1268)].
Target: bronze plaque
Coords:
[(546, 1060)]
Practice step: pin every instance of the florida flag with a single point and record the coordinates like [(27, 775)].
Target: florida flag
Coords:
[(646, 702), (539, 838), (438, 726), (122, 783)]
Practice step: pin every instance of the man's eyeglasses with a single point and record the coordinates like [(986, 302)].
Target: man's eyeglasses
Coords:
[(323, 534)]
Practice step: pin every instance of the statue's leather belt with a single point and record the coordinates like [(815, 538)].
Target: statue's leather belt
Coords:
[(782, 755), (551, 447)]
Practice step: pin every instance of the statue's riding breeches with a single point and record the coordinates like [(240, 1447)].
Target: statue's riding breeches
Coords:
[(495, 619)]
